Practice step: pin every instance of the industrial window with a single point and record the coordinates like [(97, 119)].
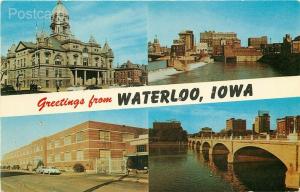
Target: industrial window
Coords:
[(49, 145), (57, 144), (57, 157), (79, 155), (104, 136), (141, 148), (67, 156), (68, 140), (127, 136), (79, 136), (50, 159), (104, 153)]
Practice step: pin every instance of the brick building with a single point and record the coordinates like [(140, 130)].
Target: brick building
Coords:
[(205, 132), (85, 143), (130, 74), (137, 151), (216, 41), (257, 42), (178, 49), (296, 45), (286, 125), (187, 38), (262, 122), (236, 126), (241, 54), (168, 131)]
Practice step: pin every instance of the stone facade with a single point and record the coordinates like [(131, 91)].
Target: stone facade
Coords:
[(59, 59), (257, 42)]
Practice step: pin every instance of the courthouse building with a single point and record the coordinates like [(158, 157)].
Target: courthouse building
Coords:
[(59, 58), (87, 143)]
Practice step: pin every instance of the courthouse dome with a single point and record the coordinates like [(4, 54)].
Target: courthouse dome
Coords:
[(59, 8)]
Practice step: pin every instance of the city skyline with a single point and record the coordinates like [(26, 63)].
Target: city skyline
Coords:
[(114, 22), (194, 117), (247, 19)]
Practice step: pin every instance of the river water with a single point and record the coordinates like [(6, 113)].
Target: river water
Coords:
[(219, 71), (186, 170)]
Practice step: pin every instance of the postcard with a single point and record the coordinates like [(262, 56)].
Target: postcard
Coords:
[(150, 96)]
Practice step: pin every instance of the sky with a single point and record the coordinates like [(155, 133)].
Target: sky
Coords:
[(247, 19), (194, 117), (19, 131), (122, 24), (128, 26)]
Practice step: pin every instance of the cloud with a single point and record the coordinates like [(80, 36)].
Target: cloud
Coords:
[(123, 30), (123, 25)]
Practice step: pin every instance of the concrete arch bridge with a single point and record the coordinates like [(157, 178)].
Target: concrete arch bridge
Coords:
[(286, 151)]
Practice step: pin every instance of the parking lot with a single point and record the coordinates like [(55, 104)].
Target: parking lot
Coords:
[(13, 181)]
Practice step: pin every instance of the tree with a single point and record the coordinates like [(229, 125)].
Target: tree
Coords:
[(40, 164), (78, 167)]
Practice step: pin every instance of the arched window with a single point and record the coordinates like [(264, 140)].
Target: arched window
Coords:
[(58, 60)]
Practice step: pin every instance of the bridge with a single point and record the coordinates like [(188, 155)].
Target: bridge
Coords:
[(284, 150)]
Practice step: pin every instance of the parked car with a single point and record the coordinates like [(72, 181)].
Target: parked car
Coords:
[(75, 88), (40, 169), (93, 87), (51, 170), (8, 90)]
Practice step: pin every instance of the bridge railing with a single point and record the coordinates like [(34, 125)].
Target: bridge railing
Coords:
[(248, 137)]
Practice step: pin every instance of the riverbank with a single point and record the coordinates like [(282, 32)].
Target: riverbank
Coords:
[(285, 64), (165, 73)]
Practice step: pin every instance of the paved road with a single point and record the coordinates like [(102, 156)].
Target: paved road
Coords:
[(20, 182)]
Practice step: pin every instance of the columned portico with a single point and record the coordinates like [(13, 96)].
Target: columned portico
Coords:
[(84, 77), (105, 77), (98, 77), (75, 79)]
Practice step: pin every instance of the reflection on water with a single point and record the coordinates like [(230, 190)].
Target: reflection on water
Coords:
[(188, 170), (219, 71)]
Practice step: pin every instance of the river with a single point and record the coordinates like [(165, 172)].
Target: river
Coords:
[(185, 170), (219, 71)]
